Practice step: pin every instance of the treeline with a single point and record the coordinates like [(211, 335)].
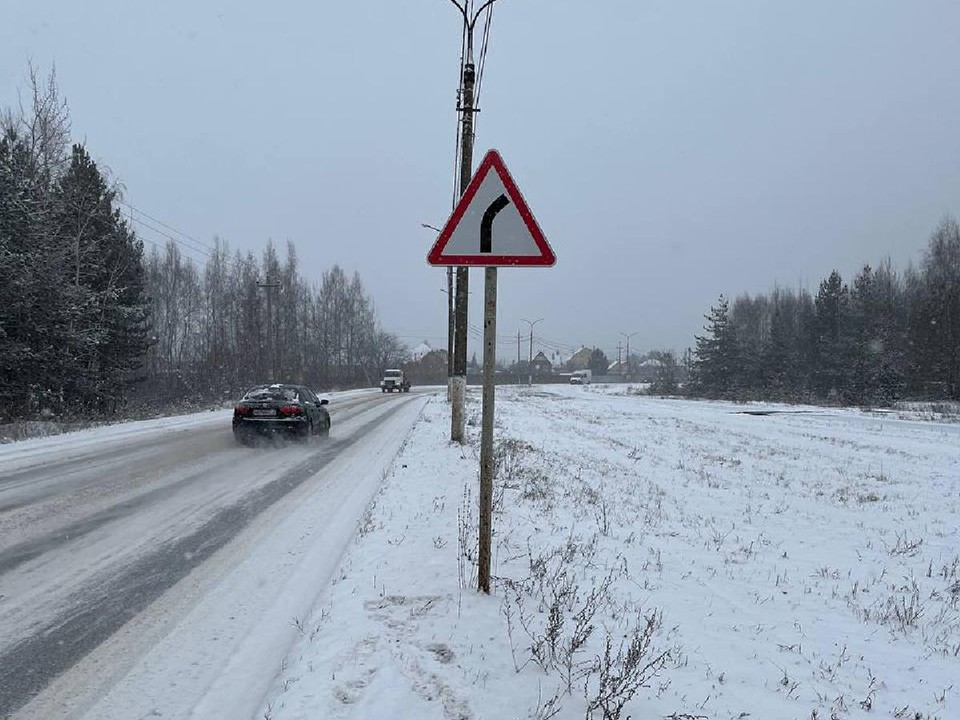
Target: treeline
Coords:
[(88, 323), (883, 336), (236, 322), (73, 310)]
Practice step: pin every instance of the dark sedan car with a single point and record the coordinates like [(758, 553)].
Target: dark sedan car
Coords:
[(280, 409)]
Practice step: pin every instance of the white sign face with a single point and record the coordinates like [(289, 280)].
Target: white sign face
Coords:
[(492, 224)]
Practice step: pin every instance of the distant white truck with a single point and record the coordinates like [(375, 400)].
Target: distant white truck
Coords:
[(393, 379), (581, 377)]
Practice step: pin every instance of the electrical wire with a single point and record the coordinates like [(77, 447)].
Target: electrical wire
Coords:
[(456, 150), (192, 239), (147, 226), (197, 247), (476, 329), (186, 241), (477, 333), (484, 45), (205, 256)]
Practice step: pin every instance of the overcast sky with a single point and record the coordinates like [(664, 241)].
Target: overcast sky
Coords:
[(670, 150)]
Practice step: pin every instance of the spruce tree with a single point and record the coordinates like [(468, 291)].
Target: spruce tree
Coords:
[(599, 364), (105, 283), (832, 340), (716, 365), (937, 319)]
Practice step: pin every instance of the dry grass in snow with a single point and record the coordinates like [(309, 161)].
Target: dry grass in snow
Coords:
[(653, 558)]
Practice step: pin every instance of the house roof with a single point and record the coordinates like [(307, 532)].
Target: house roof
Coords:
[(581, 356), (420, 350)]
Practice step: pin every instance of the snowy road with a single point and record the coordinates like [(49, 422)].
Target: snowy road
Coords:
[(158, 567)]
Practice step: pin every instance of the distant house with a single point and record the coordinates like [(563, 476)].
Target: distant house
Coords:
[(648, 370), (541, 365), (580, 359), (617, 367), (430, 369), (420, 351)]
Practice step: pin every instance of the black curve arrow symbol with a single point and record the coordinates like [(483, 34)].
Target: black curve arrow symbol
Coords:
[(486, 224)]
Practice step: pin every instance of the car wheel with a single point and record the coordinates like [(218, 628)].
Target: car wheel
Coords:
[(306, 432)]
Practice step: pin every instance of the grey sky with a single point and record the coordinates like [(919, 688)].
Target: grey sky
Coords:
[(670, 151)]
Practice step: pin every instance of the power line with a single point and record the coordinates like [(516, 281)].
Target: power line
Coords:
[(189, 242), (147, 226), (488, 21), (456, 151), (185, 240), (427, 338), (556, 345), (477, 333), (240, 264), (169, 227)]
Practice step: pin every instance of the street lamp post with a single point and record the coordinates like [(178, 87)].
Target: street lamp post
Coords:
[(531, 323), (450, 318), (628, 336)]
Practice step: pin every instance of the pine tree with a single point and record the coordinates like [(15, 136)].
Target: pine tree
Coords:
[(715, 365), (19, 287), (832, 340), (666, 382), (599, 364), (34, 312), (877, 371), (748, 321), (109, 327), (778, 365), (936, 326)]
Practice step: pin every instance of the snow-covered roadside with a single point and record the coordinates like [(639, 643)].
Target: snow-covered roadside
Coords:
[(794, 565)]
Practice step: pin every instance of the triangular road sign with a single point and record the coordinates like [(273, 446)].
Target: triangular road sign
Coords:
[(492, 224)]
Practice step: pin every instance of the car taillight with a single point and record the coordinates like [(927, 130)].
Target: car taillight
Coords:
[(291, 410), (241, 410)]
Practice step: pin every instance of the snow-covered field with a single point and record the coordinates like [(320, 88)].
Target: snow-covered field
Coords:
[(654, 558)]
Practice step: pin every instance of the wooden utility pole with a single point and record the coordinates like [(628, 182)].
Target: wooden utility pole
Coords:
[(483, 256), (518, 356), (628, 336), (458, 385), (271, 341), (466, 107), (450, 317)]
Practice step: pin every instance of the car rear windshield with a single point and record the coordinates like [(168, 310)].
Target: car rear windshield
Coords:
[(272, 393)]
